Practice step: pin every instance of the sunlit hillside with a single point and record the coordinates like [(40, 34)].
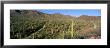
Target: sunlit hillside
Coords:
[(31, 24)]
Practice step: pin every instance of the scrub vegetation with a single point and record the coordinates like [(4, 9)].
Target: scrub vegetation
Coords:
[(33, 24)]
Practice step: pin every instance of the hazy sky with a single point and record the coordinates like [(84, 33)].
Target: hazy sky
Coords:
[(74, 12)]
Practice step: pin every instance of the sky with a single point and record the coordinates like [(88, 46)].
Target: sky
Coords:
[(73, 12)]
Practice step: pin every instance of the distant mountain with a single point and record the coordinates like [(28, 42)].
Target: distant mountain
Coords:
[(25, 12), (86, 17)]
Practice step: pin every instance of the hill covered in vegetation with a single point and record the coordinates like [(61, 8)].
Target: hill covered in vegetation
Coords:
[(32, 24)]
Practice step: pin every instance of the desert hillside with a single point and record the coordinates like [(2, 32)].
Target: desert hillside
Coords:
[(32, 24)]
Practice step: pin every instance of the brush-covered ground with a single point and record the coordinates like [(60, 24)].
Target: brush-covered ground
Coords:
[(30, 24)]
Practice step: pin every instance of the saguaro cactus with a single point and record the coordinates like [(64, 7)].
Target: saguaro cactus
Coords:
[(72, 29), (63, 34), (33, 36)]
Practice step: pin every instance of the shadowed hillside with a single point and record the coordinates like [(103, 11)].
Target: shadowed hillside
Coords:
[(32, 24)]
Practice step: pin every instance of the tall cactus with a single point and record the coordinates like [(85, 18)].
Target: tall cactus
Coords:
[(33, 36), (63, 35), (72, 29)]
